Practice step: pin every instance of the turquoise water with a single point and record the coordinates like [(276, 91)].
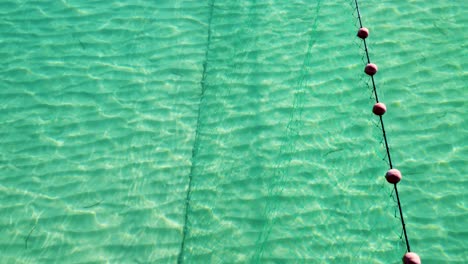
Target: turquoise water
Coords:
[(109, 108)]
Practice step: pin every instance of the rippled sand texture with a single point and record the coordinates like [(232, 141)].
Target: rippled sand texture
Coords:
[(108, 109)]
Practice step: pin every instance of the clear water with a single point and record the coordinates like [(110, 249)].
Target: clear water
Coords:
[(108, 108)]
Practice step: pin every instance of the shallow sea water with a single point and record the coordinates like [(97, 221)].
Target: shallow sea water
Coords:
[(110, 109)]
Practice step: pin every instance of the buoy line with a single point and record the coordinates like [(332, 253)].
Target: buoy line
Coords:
[(393, 175)]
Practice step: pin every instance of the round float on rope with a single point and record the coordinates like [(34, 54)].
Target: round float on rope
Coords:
[(371, 69), (379, 109), (363, 33), (411, 258), (393, 176)]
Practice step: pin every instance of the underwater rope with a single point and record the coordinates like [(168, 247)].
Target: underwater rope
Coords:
[(293, 128), (393, 176), (197, 138)]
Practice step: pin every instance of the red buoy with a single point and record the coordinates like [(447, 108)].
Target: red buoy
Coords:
[(393, 176), (371, 69), (363, 33), (411, 258), (379, 109)]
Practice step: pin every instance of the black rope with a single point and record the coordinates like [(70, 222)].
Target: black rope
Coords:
[(384, 134)]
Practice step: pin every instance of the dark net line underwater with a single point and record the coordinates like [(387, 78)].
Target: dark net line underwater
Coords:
[(180, 257), (294, 126)]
